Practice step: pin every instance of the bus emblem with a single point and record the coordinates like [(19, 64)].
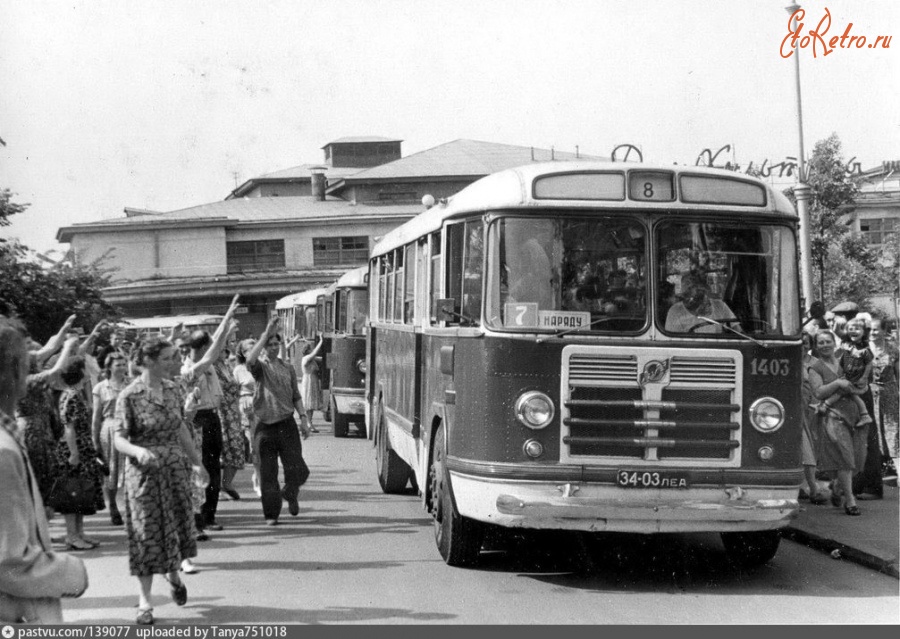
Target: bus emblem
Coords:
[(654, 372)]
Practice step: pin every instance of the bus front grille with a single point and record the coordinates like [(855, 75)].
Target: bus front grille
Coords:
[(615, 410)]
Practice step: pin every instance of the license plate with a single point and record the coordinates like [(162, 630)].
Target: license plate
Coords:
[(650, 479)]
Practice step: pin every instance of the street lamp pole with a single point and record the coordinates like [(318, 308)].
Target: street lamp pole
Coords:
[(802, 190)]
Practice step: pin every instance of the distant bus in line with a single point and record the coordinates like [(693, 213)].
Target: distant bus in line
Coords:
[(347, 301), (297, 314), (592, 347), (148, 327)]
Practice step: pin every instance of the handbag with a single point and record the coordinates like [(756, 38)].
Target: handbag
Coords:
[(72, 494)]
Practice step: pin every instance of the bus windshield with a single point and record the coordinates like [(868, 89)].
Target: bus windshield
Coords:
[(714, 277), (567, 273), (357, 311)]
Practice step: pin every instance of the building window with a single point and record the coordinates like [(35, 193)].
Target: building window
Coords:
[(259, 255), (877, 230), (397, 196), (330, 251)]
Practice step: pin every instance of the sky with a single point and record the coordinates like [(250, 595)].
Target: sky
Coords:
[(167, 104)]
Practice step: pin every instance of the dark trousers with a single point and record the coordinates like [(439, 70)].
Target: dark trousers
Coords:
[(274, 441), (869, 479), (211, 452)]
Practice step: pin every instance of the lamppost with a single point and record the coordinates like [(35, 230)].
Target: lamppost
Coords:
[(802, 190)]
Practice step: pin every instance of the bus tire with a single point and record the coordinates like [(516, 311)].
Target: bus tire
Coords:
[(458, 538), (750, 549), (393, 472), (341, 422)]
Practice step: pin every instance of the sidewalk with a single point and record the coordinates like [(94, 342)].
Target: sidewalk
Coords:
[(870, 540)]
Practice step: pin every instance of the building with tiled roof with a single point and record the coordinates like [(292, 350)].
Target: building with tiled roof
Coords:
[(283, 232)]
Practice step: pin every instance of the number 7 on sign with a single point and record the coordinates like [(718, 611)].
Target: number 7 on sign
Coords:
[(521, 315)]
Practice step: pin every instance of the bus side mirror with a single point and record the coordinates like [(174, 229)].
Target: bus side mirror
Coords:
[(444, 310)]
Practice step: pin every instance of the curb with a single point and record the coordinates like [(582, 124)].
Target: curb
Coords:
[(857, 556)]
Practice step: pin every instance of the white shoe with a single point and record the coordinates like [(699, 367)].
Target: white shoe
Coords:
[(188, 567), (256, 487)]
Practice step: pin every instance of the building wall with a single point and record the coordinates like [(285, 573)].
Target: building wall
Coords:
[(164, 253), (298, 240), (408, 192), (287, 189)]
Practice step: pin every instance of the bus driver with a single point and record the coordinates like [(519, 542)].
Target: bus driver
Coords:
[(695, 303)]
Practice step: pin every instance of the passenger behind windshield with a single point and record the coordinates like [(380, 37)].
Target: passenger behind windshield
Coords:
[(696, 302)]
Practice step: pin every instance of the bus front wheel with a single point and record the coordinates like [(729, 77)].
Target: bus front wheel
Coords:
[(750, 549), (341, 422), (393, 472), (458, 538)]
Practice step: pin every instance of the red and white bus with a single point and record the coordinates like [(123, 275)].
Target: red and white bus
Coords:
[(593, 347)]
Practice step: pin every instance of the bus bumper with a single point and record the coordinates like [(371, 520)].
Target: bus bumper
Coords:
[(349, 401), (608, 508)]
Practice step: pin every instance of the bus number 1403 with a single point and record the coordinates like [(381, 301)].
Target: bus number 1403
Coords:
[(771, 367)]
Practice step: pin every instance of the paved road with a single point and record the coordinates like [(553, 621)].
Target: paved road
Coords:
[(357, 556)]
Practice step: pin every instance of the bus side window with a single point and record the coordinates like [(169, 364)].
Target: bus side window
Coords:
[(422, 281), (454, 262), (409, 295), (435, 292), (399, 285), (473, 272)]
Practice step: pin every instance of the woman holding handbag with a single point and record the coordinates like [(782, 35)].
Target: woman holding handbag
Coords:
[(78, 468)]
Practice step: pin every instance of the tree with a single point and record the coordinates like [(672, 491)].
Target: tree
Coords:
[(44, 297), (8, 208), (842, 264)]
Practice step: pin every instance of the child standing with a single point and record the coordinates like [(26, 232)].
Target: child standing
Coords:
[(856, 362)]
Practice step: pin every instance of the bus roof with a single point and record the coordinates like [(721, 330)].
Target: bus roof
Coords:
[(303, 298), (354, 278), (169, 321), (515, 189)]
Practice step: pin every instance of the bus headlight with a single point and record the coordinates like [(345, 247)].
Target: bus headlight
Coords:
[(535, 410), (766, 414), (361, 366)]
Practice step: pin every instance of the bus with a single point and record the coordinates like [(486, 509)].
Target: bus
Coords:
[(162, 326), (297, 318), (592, 346), (345, 354)]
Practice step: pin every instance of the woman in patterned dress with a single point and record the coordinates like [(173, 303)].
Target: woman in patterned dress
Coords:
[(152, 432), (105, 394), (247, 385), (37, 414), (232, 430), (76, 455)]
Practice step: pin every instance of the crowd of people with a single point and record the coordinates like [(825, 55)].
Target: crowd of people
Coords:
[(850, 419), (168, 421), (171, 420)]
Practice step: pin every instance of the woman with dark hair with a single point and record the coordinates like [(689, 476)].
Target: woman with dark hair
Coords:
[(310, 384), (37, 415), (152, 431), (842, 446), (232, 431), (105, 394), (76, 455), (247, 385)]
